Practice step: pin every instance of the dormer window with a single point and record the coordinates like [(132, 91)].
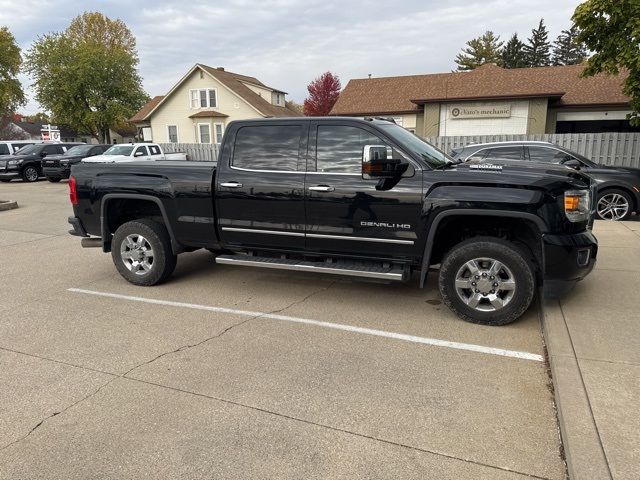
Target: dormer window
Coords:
[(277, 98), (203, 98)]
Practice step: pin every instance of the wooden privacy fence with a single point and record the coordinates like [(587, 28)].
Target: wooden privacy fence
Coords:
[(198, 152), (621, 149)]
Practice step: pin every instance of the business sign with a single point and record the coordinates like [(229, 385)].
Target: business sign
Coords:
[(483, 111), (50, 133)]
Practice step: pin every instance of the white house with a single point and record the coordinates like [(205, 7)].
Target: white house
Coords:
[(203, 102)]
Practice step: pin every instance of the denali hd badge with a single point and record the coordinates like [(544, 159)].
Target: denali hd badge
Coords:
[(486, 166), (398, 226)]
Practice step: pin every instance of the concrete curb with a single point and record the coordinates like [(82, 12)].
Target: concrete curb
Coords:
[(8, 205), (584, 454)]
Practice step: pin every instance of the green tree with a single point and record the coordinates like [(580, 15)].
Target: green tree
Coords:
[(86, 76), (484, 49), (538, 46), (513, 55), (611, 29), (11, 94), (567, 49)]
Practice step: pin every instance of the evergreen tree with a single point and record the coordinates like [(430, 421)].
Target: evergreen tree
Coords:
[(484, 49), (513, 54), (538, 46), (567, 49)]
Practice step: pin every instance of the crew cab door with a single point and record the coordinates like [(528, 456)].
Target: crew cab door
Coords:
[(347, 214), (259, 186)]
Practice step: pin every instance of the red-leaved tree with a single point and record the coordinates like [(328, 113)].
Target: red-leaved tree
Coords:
[(323, 94)]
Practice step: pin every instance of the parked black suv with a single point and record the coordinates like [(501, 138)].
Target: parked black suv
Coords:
[(348, 196), (57, 167), (618, 188), (26, 163)]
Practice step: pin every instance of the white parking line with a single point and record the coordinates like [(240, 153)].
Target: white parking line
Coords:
[(336, 326)]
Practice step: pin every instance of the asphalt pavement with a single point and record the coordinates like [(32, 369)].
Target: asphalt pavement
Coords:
[(229, 372)]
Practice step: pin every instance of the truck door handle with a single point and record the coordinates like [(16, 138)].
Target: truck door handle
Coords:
[(322, 188), (231, 184)]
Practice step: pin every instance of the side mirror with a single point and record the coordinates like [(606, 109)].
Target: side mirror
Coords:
[(573, 163), (138, 154), (377, 162), (43, 154)]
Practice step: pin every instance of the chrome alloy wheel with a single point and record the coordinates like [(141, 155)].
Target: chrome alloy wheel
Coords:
[(485, 284), (136, 254), (612, 206), (31, 174)]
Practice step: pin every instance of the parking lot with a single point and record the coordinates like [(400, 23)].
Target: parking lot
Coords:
[(227, 372)]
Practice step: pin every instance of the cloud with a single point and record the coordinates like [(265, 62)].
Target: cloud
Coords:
[(287, 43)]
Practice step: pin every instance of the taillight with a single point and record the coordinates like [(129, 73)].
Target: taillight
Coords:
[(73, 191)]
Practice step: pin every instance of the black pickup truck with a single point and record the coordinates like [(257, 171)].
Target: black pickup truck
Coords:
[(349, 196)]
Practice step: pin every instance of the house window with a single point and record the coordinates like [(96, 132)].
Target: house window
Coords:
[(203, 98), (277, 98), (204, 132), (219, 131), (172, 133)]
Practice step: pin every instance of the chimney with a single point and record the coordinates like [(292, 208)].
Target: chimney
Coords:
[(220, 68)]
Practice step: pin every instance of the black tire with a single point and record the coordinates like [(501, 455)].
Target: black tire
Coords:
[(515, 300), (620, 196), (156, 236), (30, 174), (54, 179)]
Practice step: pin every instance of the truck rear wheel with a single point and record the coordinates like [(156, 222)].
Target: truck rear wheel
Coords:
[(141, 251), (487, 280)]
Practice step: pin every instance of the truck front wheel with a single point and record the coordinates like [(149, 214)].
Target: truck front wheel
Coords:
[(141, 251), (487, 280)]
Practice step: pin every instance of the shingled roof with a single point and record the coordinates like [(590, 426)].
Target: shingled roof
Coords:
[(144, 112), (234, 82), (406, 94)]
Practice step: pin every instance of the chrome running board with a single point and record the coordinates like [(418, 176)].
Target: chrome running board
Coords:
[(394, 273)]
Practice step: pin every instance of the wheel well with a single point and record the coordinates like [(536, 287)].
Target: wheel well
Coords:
[(122, 210), (634, 203), (456, 228)]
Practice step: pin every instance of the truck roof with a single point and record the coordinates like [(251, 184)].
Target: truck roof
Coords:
[(375, 120)]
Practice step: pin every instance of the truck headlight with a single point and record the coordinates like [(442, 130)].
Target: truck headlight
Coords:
[(14, 162), (576, 205)]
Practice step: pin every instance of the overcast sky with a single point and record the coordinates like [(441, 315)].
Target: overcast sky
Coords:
[(287, 43)]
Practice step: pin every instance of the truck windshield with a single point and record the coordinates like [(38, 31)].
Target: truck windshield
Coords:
[(430, 154), (119, 150)]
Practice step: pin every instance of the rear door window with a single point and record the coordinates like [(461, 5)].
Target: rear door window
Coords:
[(154, 150), (4, 149), (267, 147), (546, 155)]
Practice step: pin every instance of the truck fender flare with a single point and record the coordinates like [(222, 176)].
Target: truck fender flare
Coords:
[(175, 246), (428, 247)]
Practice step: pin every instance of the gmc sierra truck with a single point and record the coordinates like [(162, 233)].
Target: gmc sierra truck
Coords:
[(349, 196)]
